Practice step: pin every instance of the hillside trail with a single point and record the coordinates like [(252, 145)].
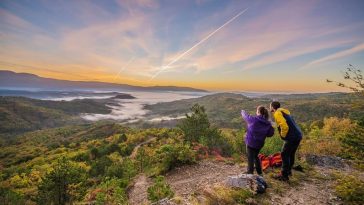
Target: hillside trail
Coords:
[(136, 148), (189, 182), (138, 192)]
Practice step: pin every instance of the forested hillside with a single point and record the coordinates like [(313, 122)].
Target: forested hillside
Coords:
[(19, 114), (223, 109), (110, 163)]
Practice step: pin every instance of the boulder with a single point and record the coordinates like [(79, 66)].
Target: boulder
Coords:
[(255, 183), (244, 181)]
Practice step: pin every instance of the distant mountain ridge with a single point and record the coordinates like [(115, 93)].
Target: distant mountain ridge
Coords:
[(10, 79)]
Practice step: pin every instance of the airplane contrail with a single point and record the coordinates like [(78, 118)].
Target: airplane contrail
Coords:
[(197, 44), (123, 68)]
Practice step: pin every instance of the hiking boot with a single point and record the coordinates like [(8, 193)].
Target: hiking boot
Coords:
[(246, 172), (280, 177), (298, 168)]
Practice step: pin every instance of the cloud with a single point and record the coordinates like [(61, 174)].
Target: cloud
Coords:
[(154, 4), (111, 44), (180, 56), (9, 20), (272, 35), (291, 52), (261, 32), (356, 49), (101, 44)]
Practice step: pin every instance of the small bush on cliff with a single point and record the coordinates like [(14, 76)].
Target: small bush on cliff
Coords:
[(170, 156), (159, 190)]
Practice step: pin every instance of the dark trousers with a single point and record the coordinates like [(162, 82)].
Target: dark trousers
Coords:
[(288, 156), (253, 159)]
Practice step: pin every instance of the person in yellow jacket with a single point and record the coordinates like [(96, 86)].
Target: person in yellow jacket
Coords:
[(292, 136)]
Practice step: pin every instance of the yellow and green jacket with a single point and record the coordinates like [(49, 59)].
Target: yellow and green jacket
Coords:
[(287, 127)]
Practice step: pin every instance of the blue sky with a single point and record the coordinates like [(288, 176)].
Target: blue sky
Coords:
[(273, 46)]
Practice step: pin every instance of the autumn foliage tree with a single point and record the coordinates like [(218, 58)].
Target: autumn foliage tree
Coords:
[(353, 139)]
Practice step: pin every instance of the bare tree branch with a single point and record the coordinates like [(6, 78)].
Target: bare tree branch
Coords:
[(354, 75)]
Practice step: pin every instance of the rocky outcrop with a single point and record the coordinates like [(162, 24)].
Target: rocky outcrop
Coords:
[(326, 161)]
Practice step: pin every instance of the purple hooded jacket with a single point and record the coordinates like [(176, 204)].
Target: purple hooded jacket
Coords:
[(258, 129)]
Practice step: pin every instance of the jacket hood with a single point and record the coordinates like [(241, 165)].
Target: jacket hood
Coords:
[(284, 110), (262, 120)]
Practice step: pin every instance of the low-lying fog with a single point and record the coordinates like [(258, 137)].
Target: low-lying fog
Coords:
[(131, 110), (124, 110)]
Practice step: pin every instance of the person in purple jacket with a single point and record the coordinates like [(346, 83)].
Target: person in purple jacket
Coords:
[(259, 127)]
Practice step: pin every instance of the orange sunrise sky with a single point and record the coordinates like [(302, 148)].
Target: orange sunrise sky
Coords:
[(215, 45)]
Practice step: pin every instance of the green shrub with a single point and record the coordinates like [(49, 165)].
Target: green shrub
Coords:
[(53, 145), (353, 143), (315, 133), (239, 144), (170, 156), (20, 181), (100, 198), (126, 149), (122, 138), (94, 152), (272, 145), (216, 141), (112, 191), (115, 170), (81, 157), (99, 166), (8, 197), (227, 196), (129, 169), (159, 190), (360, 121), (142, 159), (350, 189), (241, 195), (108, 149)]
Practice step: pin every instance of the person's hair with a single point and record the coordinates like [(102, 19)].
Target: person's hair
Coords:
[(263, 112), (275, 105)]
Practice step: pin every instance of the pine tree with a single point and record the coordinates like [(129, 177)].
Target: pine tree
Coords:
[(63, 185), (196, 125)]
